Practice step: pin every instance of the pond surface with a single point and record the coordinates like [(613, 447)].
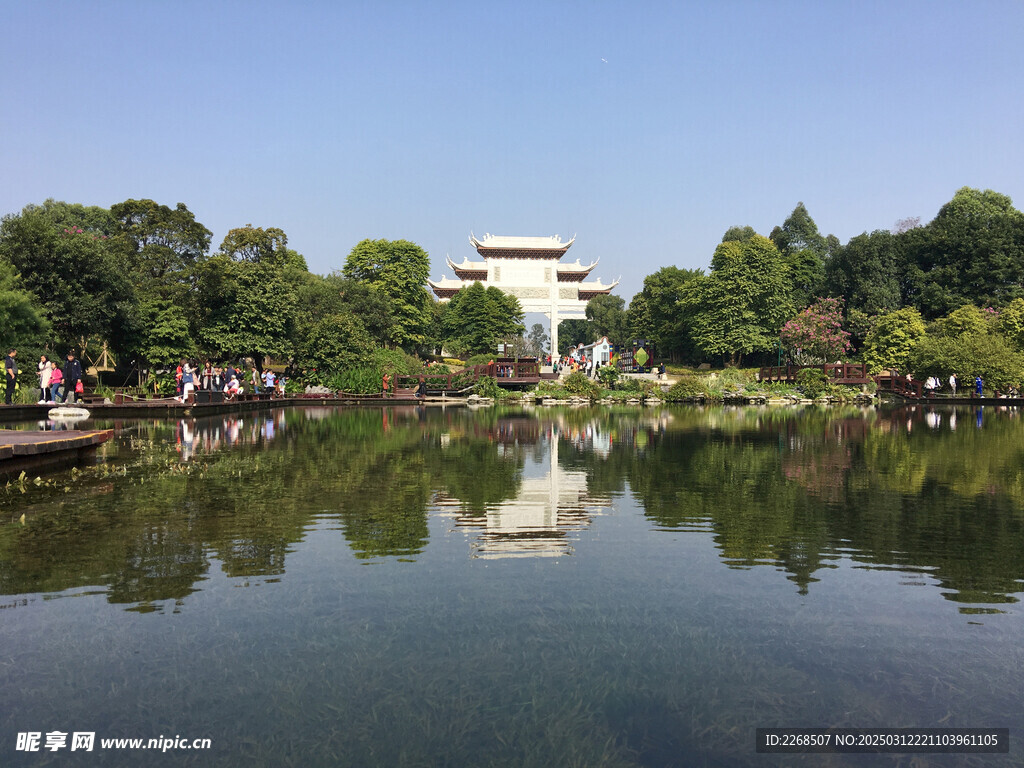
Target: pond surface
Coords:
[(590, 587)]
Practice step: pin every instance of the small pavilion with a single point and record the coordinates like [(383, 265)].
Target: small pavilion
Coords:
[(529, 268)]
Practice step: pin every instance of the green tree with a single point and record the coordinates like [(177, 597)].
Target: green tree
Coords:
[(79, 280), (738, 234), (318, 296), (476, 317), (657, 312), (968, 350), (740, 307), (161, 243), (336, 342), (572, 333), (23, 320), (866, 273), (538, 339), (971, 253), (257, 244), (804, 249), (164, 334), (892, 339), (399, 270), (607, 314), (255, 312), (1011, 323), (967, 320)]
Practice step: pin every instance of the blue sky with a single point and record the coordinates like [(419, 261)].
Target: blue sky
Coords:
[(646, 129)]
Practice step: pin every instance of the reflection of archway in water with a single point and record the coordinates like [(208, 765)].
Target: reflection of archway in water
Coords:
[(541, 521)]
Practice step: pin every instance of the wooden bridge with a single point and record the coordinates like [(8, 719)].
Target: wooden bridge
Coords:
[(509, 373), (855, 374)]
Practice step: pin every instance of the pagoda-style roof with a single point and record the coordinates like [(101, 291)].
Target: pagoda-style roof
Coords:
[(445, 288), (587, 291), (504, 247), (575, 272), (469, 270)]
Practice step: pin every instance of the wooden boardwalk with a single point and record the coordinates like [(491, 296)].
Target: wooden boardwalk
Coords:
[(25, 450)]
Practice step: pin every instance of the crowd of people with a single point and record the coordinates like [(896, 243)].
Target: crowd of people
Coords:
[(191, 377), (57, 383)]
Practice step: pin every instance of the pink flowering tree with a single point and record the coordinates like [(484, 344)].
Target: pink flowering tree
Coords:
[(816, 335)]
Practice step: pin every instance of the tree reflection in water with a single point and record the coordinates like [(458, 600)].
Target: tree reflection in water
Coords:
[(917, 488)]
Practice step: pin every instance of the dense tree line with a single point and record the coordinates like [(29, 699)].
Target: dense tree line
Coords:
[(900, 293), (141, 277)]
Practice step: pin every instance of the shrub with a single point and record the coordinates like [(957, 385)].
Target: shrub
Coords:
[(608, 375), (395, 361), (578, 384), (487, 386), (549, 389), (687, 388), (736, 377), (356, 381), (812, 382)]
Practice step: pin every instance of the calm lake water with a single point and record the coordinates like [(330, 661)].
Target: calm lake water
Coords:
[(589, 587)]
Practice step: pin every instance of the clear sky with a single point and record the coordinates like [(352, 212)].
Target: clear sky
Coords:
[(644, 128)]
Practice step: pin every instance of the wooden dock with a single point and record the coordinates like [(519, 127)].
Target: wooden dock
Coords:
[(25, 450)]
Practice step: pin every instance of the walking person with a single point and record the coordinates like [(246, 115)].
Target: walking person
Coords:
[(979, 386), (188, 384), (45, 372), (11, 370), (56, 377), (256, 380), (72, 378), (952, 383)]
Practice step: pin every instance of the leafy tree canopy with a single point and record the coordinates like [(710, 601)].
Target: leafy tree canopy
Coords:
[(892, 339), (161, 242), (742, 304), (257, 244), (608, 315), (22, 319), (476, 317), (399, 270), (738, 233), (657, 312), (71, 270)]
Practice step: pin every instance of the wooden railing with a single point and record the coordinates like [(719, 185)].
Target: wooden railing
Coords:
[(510, 372), (839, 373), (891, 381)]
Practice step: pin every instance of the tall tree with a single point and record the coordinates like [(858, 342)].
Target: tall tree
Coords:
[(161, 243), (804, 248), (399, 270), (608, 315), (738, 233), (23, 320), (893, 339), (572, 333), (971, 253), (257, 244), (740, 307), (476, 317), (255, 311), (538, 339), (72, 270), (866, 272), (657, 312)]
